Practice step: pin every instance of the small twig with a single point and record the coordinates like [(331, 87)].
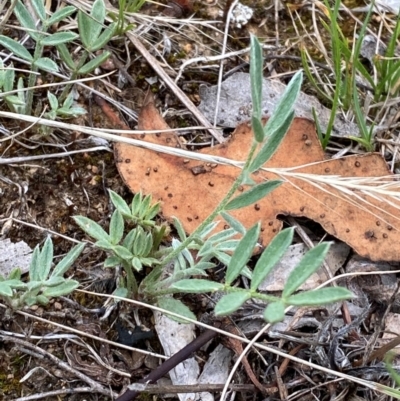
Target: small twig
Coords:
[(23, 159), (84, 334), (54, 393), (190, 388), (95, 387), (170, 363), (175, 89)]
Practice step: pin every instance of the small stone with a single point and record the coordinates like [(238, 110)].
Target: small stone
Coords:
[(57, 306)]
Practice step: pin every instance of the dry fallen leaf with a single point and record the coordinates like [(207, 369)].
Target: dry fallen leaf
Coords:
[(191, 189)]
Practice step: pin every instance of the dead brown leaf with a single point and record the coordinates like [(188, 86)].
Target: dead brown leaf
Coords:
[(190, 190)]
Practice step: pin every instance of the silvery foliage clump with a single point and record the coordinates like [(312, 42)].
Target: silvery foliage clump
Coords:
[(91, 32), (45, 281), (174, 266), (15, 103), (68, 109), (267, 139), (131, 250), (134, 241)]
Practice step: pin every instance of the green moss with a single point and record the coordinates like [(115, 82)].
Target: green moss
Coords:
[(9, 385)]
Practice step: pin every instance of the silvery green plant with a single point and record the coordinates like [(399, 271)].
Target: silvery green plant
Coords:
[(45, 281), (266, 140), (92, 32), (17, 102), (94, 35), (139, 247), (66, 110), (174, 266), (38, 33)]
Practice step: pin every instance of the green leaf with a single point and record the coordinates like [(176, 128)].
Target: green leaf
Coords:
[(230, 303), (119, 203), (66, 56), (54, 281), (176, 306), (9, 77), (26, 20), (34, 265), (153, 211), (45, 260), (116, 227), (234, 223), (46, 64), (16, 284), (137, 263), (227, 246), (130, 239), (310, 262), (52, 100), (258, 129), (15, 47), (90, 26), (63, 289), (105, 37), (91, 228), (112, 261), (320, 297), (30, 300), (274, 312), (94, 63), (42, 300), (15, 274), (5, 290), (148, 245), (253, 195), (203, 233), (121, 292), (122, 252), (271, 256), (69, 101), (179, 228), (271, 144), (139, 244), (16, 101), (60, 15), (59, 38), (144, 207), (39, 8), (34, 285), (136, 203), (72, 112), (104, 244), (284, 108), (256, 74), (242, 253), (197, 286), (66, 262)]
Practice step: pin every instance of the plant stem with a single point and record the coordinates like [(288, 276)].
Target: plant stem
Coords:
[(219, 208), (74, 76), (130, 280), (32, 78)]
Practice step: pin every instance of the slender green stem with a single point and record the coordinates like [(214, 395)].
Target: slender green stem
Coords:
[(32, 78), (130, 280), (74, 76), (228, 289), (220, 207)]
